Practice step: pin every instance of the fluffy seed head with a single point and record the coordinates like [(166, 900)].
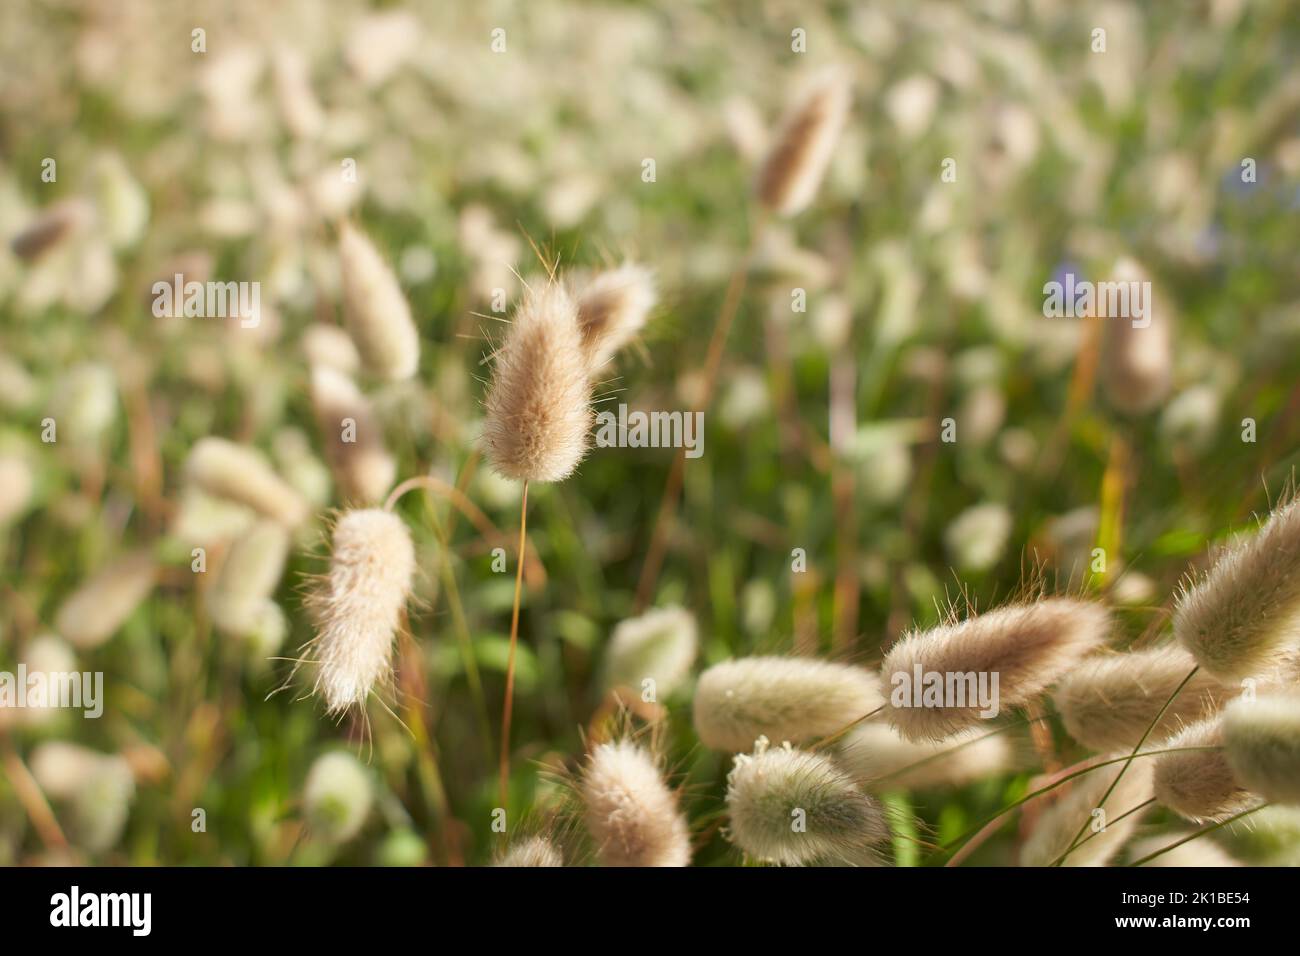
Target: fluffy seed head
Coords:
[(51, 228), (659, 645), (1058, 826), (86, 404), (1262, 738), (796, 161), (631, 813), (1199, 785), (1195, 853), (359, 605), (239, 473), (1028, 646), (98, 788), (1108, 701), (1137, 364), (249, 577), (16, 484), (874, 751), (354, 439), (612, 309), (329, 345), (378, 318), (337, 796), (101, 807), (782, 698), (794, 808), (1243, 618), (539, 405), (47, 655), (62, 767), (94, 612), (977, 537), (532, 851)]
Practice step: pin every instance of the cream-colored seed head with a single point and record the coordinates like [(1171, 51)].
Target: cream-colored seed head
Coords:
[(61, 767), (1242, 619), (53, 227), (1028, 647), (337, 796), (97, 787), (242, 474), (330, 346), (631, 813), (86, 404), (802, 149), (359, 606), (659, 646), (539, 404), (1119, 817), (612, 309), (16, 485), (101, 807), (1108, 701), (249, 576), (50, 656), (354, 439), (1138, 364), (795, 808), (1262, 739), (782, 698), (94, 612), (532, 851), (1199, 785), (1199, 852), (882, 761), (976, 538), (377, 315)]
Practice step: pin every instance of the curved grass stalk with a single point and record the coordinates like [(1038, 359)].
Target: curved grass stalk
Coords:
[(1114, 783), (1199, 833), (1127, 813), (507, 711), (954, 844)]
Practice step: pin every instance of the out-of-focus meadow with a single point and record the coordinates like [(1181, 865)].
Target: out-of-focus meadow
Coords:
[(826, 515)]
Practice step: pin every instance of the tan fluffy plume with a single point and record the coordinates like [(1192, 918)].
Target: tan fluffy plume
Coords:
[(1242, 619), (378, 317), (242, 474), (94, 612), (358, 606), (612, 309), (1199, 785), (1262, 738), (1028, 647), (532, 851), (631, 813), (1108, 701), (354, 439), (1137, 362), (782, 698), (882, 760), (539, 404), (1103, 836), (797, 160), (795, 807)]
